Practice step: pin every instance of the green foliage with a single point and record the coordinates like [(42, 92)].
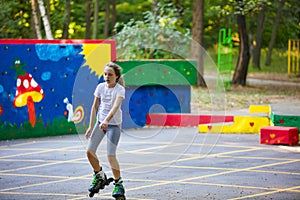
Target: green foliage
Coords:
[(152, 37), (15, 19), (170, 20)]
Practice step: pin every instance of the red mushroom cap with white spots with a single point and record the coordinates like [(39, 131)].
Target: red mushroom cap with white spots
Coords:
[(27, 87)]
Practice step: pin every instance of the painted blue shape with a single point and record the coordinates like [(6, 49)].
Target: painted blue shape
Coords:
[(1, 89), (54, 52), (139, 101), (83, 91), (101, 80), (46, 76)]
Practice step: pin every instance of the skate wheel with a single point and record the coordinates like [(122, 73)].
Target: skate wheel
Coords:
[(121, 198), (91, 194)]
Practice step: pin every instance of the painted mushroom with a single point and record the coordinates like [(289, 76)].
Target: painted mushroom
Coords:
[(28, 92)]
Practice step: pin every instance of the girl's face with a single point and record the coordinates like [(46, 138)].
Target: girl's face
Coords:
[(110, 76)]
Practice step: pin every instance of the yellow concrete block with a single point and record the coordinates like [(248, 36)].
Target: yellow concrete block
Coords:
[(242, 124), (259, 109)]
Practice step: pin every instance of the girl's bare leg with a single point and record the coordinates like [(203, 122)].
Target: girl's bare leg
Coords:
[(94, 161), (115, 167)]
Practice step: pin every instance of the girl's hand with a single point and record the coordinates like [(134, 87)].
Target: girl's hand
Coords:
[(103, 126), (88, 133)]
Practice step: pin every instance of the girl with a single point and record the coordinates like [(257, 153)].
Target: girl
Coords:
[(108, 98)]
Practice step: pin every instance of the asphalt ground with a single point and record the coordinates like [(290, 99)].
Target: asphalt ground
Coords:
[(157, 163)]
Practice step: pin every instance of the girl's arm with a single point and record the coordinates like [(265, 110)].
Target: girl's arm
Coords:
[(94, 110), (111, 113)]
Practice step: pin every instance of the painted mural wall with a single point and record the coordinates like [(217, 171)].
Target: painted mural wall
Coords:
[(36, 84), (46, 87), (156, 86)]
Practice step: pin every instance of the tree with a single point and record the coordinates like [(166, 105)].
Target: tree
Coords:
[(114, 13), (259, 36), (106, 22), (35, 20), (45, 20), (197, 36), (88, 19), (67, 19), (96, 12), (240, 73), (274, 32)]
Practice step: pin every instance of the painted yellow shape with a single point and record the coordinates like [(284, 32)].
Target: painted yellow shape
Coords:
[(96, 56), (259, 109), (242, 124)]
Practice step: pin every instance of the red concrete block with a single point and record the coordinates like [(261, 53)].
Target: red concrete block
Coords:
[(279, 135), (184, 120)]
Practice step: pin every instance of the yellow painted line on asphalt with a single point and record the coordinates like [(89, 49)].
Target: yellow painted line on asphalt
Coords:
[(35, 175), (206, 184), (190, 158), (153, 147), (16, 145), (240, 170), (42, 165), (186, 181), (38, 149), (44, 183), (42, 194), (236, 186), (257, 158), (39, 152), (209, 175), (290, 189), (37, 161), (232, 169)]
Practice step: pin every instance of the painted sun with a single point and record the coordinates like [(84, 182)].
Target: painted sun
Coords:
[(96, 56)]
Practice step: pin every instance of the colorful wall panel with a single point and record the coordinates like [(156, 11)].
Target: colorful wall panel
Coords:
[(46, 87), (156, 86), (242, 124), (36, 84), (153, 99), (159, 72)]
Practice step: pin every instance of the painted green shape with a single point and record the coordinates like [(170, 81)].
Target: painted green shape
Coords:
[(285, 120), (159, 72), (59, 126), (224, 57)]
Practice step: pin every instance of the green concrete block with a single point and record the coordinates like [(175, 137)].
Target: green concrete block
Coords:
[(159, 72), (285, 120)]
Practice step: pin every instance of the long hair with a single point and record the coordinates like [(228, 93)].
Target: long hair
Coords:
[(118, 72)]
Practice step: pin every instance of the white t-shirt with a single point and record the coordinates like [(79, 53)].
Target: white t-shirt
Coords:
[(108, 97)]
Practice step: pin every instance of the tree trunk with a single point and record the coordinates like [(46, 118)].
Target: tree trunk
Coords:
[(47, 8), (88, 19), (240, 74), (45, 20), (197, 49), (274, 32), (107, 15), (259, 37), (96, 12), (36, 21), (114, 13), (67, 19)]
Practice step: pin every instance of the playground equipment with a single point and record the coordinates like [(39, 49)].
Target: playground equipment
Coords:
[(293, 56), (257, 118), (279, 135), (225, 57)]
